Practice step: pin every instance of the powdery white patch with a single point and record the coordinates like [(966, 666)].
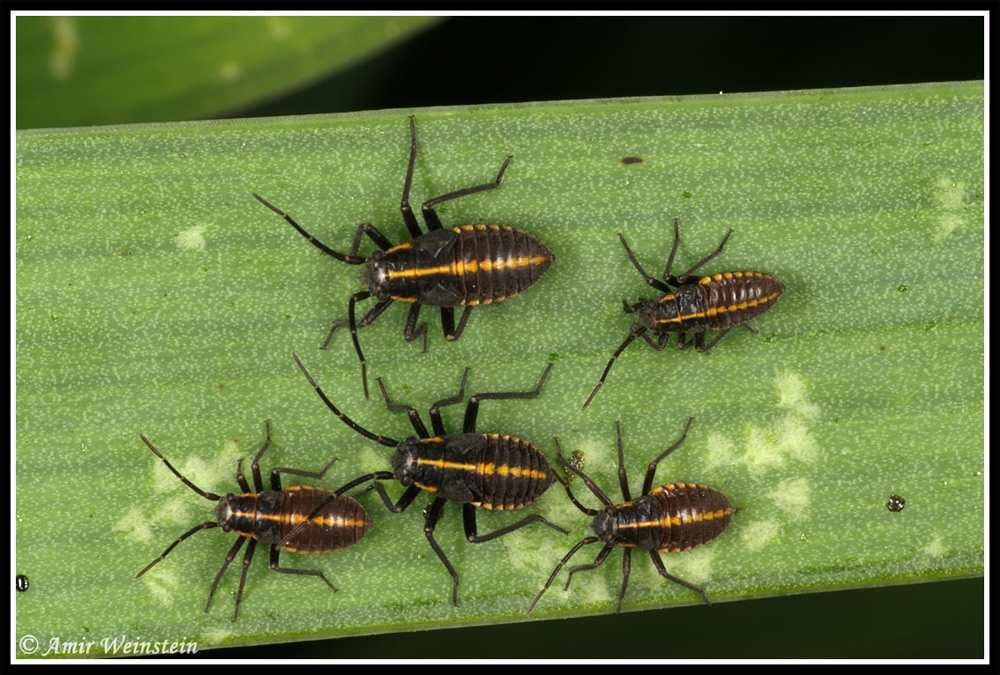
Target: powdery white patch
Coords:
[(163, 583), (213, 637), (793, 496), (694, 566), (950, 196), (134, 525), (763, 451), (192, 239), (759, 533), (721, 451), (935, 548), (795, 440), (792, 394)]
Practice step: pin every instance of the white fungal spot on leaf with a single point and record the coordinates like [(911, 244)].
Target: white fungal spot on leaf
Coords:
[(760, 533), (792, 394), (192, 239), (935, 548), (950, 196), (793, 497)]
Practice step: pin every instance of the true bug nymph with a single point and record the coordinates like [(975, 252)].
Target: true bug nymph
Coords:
[(670, 518), (717, 302), (460, 266), (477, 470), (269, 516)]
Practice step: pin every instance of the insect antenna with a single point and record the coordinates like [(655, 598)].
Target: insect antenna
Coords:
[(349, 259), (383, 440)]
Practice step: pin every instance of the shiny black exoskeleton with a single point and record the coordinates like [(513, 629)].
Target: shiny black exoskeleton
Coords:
[(461, 266), (298, 519), (717, 302), (669, 518), (477, 470)]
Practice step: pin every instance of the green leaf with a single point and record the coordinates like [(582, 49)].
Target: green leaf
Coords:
[(74, 71), (156, 296)]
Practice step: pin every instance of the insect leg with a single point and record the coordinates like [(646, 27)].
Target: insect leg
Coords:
[(635, 331), (622, 476), (436, 421), (432, 519), (369, 318), (572, 551), (658, 562), (469, 520), (598, 492), (472, 409), (431, 218), (411, 412), (448, 322), (237, 545), (626, 570), (680, 279), (373, 233), (655, 283), (398, 507), (241, 479), (275, 552), (651, 470), (700, 343), (255, 465), (404, 206), (276, 478), (597, 563), (243, 577), (411, 321), (673, 251), (660, 344)]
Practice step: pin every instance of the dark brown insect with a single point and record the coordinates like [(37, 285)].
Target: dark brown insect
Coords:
[(279, 518), (717, 302), (460, 266), (495, 472), (670, 518)]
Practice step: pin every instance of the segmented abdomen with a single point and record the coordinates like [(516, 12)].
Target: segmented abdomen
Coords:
[(496, 262), (341, 524), (690, 515), (732, 298), (511, 473)]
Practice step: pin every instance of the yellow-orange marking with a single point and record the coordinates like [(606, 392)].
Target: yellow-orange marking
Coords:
[(443, 464), (472, 266), (713, 311)]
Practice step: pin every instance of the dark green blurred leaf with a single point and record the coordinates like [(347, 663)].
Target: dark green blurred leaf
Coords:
[(76, 71)]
